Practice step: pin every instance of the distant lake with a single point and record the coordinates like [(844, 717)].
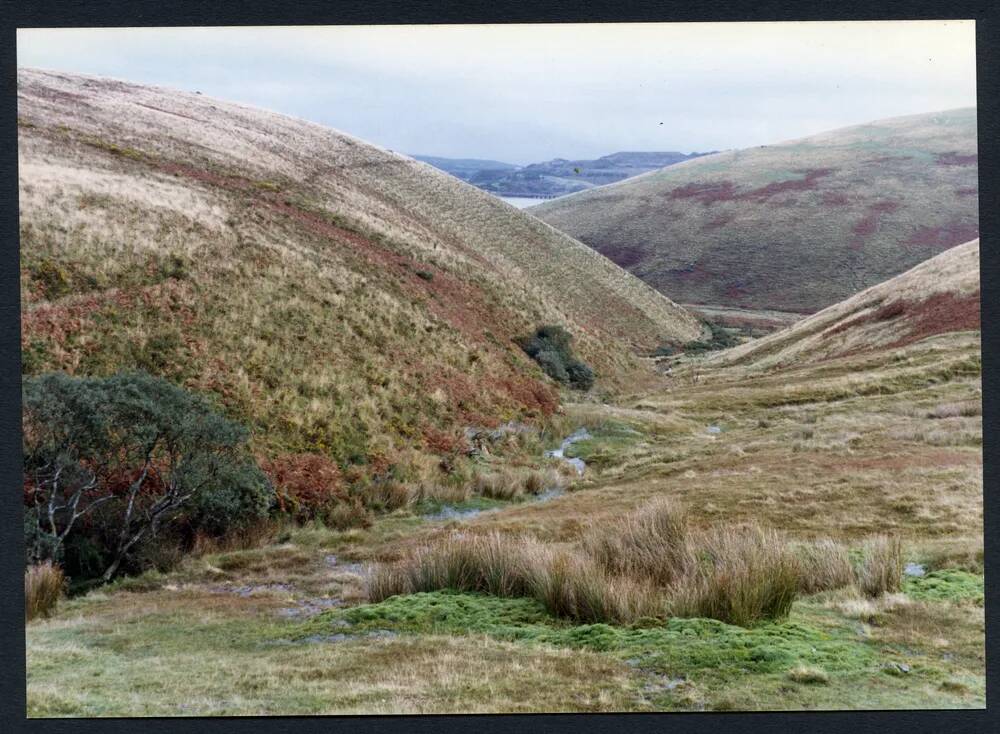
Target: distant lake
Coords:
[(522, 201)]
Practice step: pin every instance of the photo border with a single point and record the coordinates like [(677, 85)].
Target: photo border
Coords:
[(119, 13)]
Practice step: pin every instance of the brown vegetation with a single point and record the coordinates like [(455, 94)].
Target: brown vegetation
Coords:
[(43, 585)]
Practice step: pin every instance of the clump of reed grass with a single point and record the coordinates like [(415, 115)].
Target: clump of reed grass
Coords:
[(43, 585), (881, 568), (824, 565), (743, 575), (567, 583), (650, 543)]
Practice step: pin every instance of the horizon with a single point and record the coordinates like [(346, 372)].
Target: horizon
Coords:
[(458, 91)]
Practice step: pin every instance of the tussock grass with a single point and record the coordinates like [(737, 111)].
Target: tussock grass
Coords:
[(648, 564), (43, 585), (651, 543), (824, 565), (568, 584), (500, 485), (512, 483), (744, 574), (881, 568), (959, 409), (807, 675)]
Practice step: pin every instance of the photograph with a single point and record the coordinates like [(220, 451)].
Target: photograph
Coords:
[(521, 368)]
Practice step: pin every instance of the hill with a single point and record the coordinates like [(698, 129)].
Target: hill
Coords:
[(334, 296), (463, 168), (938, 296), (557, 177), (790, 227)]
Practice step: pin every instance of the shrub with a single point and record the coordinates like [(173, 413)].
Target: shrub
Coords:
[(720, 338), (550, 347), (306, 485), (119, 458), (824, 565), (881, 568), (743, 575), (43, 585), (346, 515)]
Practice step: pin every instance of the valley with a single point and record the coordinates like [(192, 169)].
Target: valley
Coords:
[(285, 628), (442, 457)]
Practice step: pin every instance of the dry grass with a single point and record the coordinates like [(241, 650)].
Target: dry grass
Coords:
[(650, 543), (881, 569), (807, 675), (825, 565), (646, 564), (744, 574), (960, 409), (43, 586), (567, 583)]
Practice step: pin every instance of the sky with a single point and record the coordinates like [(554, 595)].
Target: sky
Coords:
[(528, 93)]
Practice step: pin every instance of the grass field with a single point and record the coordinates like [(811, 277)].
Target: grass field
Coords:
[(888, 441)]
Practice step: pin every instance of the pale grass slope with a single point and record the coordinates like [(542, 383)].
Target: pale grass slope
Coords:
[(795, 226), (427, 214), (938, 296)]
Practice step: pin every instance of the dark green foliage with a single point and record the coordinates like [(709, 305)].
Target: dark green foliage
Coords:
[(721, 338), (53, 278), (550, 346), (109, 462)]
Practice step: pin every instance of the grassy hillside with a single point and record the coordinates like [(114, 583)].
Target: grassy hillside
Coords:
[(938, 296), (335, 296), (790, 227)]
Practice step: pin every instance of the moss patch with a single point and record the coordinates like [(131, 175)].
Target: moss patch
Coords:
[(946, 585)]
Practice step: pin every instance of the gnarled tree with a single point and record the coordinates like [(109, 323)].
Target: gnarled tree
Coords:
[(144, 449)]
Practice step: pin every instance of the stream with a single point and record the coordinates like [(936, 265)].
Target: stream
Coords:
[(449, 512)]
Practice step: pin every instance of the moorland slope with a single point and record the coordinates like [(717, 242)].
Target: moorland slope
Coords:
[(335, 296), (938, 296), (791, 227)]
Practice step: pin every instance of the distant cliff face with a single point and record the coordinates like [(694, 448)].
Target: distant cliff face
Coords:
[(558, 176)]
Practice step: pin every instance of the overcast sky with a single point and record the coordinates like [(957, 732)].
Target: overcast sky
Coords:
[(525, 93)]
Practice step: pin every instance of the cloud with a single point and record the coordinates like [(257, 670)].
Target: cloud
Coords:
[(527, 93)]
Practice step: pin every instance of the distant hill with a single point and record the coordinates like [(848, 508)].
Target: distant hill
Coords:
[(463, 168), (556, 177), (938, 296), (332, 295), (790, 227)]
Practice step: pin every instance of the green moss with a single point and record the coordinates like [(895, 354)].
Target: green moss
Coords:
[(946, 585), (607, 444), (114, 149), (678, 644)]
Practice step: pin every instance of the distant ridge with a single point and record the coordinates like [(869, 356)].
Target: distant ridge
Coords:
[(790, 227), (939, 296), (556, 177)]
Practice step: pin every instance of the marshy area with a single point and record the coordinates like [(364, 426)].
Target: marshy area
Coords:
[(821, 549)]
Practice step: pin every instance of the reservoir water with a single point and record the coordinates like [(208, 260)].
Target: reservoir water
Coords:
[(522, 201)]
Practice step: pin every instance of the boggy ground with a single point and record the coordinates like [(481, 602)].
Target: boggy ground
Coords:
[(885, 442)]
